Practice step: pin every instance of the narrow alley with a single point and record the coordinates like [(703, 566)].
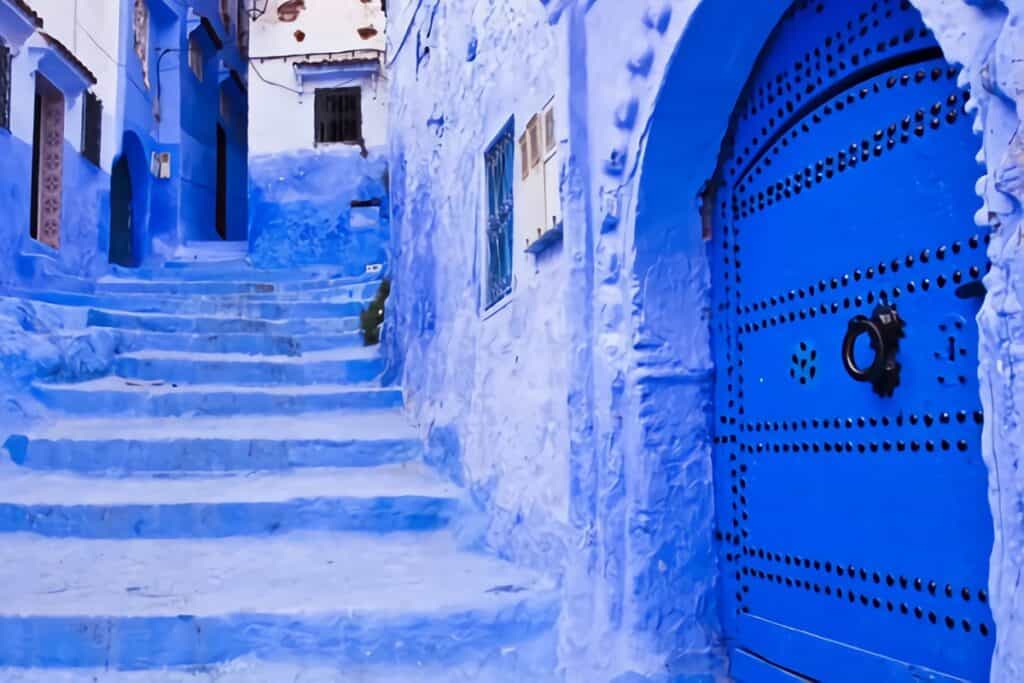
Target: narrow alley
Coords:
[(511, 341)]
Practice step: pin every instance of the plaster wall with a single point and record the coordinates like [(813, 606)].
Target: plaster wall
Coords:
[(91, 31), (300, 192), (85, 194), (651, 136), (281, 119), (643, 129), (326, 26), (488, 387)]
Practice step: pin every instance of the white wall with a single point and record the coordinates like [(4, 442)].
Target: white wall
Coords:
[(90, 29), (328, 25), (280, 107)]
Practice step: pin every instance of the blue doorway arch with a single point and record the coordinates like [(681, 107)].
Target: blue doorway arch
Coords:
[(129, 203), (851, 496), (122, 251)]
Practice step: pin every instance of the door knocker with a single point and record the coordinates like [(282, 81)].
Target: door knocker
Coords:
[(884, 330)]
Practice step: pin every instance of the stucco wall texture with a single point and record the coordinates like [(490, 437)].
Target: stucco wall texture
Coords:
[(617, 497), (453, 89)]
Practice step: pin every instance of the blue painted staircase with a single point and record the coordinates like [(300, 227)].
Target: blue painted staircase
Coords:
[(241, 500)]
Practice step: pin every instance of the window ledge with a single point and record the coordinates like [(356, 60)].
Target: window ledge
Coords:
[(498, 306), (546, 241)]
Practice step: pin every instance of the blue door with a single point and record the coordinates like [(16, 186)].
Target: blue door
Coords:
[(851, 495)]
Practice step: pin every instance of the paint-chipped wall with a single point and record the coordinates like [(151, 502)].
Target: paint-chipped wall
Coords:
[(300, 191), (488, 387), (641, 579)]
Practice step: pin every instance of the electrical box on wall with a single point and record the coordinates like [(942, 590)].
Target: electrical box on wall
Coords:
[(160, 165)]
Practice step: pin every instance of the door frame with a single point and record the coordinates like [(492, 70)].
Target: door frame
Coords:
[(50, 111), (625, 392)]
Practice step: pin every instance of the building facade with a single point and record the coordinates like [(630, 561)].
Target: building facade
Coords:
[(588, 393), (318, 191), (137, 174)]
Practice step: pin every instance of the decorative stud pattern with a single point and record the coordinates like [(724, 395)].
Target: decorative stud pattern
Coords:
[(850, 113)]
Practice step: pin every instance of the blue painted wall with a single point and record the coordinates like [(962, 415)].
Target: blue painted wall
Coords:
[(300, 209), (84, 212), (625, 314), (488, 387), (183, 207)]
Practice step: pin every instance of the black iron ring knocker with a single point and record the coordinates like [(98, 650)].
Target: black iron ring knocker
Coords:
[(884, 330)]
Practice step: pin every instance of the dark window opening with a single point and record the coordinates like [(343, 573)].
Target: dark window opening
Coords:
[(92, 128), (339, 115), (364, 203), (5, 87)]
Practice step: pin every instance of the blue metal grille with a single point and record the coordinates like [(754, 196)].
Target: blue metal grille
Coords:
[(499, 161), (855, 529)]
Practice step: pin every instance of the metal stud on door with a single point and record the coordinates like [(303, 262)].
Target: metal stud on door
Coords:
[(853, 519)]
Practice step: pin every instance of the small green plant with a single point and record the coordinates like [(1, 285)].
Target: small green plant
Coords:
[(372, 316)]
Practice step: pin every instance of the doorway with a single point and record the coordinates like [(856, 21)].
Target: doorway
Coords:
[(122, 251), (47, 163), (222, 183)]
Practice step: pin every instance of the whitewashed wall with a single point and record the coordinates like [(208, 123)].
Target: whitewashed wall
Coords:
[(90, 29), (280, 109)]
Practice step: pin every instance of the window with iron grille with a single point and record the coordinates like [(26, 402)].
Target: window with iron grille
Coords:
[(5, 86), (92, 128), (339, 116), (499, 162)]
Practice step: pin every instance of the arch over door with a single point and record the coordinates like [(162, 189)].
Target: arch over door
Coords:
[(855, 528)]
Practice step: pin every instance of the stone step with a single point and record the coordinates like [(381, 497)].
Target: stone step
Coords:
[(185, 287), (121, 396), (155, 322), (513, 664), (242, 305), (239, 342), (337, 366), (382, 499), (348, 601), (233, 269), (124, 445)]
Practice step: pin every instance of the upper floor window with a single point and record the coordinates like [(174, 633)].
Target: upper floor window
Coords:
[(92, 128), (338, 115), (5, 86), (140, 32), (499, 163), (195, 57)]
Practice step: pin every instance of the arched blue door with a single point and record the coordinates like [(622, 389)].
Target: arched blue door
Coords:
[(853, 518)]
